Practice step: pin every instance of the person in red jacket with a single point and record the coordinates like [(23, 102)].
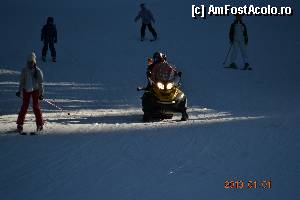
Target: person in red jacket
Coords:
[(31, 86)]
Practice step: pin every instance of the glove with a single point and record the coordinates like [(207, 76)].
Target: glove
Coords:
[(246, 40), (41, 97), (179, 74), (18, 94), (148, 73), (55, 41)]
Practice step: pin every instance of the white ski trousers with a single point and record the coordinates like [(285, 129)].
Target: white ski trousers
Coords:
[(236, 46)]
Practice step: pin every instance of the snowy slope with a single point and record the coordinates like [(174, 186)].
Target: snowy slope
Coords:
[(244, 125)]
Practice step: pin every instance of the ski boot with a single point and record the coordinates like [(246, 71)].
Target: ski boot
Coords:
[(247, 67), (154, 38), (142, 39), (233, 66), (20, 129), (39, 128), (53, 59), (185, 116), (44, 58)]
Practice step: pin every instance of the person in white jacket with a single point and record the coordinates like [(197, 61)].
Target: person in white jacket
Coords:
[(238, 36), (147, 17), (31, 85)]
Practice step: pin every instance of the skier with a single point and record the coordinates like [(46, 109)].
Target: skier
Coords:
[(49, 37), (147, 18), (30, 85), (239, 40)]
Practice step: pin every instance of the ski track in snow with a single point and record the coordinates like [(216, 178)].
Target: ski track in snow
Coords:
[(103, 120)]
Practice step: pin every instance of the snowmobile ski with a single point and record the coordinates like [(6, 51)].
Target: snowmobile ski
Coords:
[(140, 88)]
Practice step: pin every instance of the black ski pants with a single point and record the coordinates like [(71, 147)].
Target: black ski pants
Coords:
[(51, 47), (151, 29)]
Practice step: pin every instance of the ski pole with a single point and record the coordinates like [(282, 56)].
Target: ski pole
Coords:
[(227, 54), (52, 104)]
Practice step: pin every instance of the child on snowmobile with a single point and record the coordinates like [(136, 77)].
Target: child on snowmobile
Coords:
[(151, 62), (156, 58), (31, 85)]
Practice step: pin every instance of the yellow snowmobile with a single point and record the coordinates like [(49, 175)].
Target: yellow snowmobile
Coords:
[(163, 97)]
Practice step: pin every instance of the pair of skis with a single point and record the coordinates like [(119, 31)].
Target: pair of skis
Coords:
[(29, 133), (248, 68), (44, 60), (228, 67), (21, 132), (151, 40)]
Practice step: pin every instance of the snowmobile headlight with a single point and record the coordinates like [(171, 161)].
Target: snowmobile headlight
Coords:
[(160, 86), (170, 86)]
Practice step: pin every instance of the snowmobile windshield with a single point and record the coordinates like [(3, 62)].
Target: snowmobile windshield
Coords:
[(164, 72)]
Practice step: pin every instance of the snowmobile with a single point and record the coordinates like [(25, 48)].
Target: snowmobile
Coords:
[(163, 98)]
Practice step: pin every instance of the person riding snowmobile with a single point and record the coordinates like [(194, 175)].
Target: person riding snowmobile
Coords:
[(170, 99), (156, 58), (155, 68)]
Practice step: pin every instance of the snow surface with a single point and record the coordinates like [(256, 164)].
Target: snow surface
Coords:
[(244, 124)]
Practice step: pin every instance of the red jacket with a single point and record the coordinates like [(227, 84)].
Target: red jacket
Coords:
[(163, 72)]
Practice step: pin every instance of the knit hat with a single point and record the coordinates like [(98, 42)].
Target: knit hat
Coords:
[(32, 57)]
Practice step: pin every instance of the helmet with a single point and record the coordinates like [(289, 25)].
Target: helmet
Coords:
[(159, 57), (50, 20)]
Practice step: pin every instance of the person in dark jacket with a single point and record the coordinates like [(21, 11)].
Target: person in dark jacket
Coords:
[(147, 17), (238, 37), (49, 37)]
